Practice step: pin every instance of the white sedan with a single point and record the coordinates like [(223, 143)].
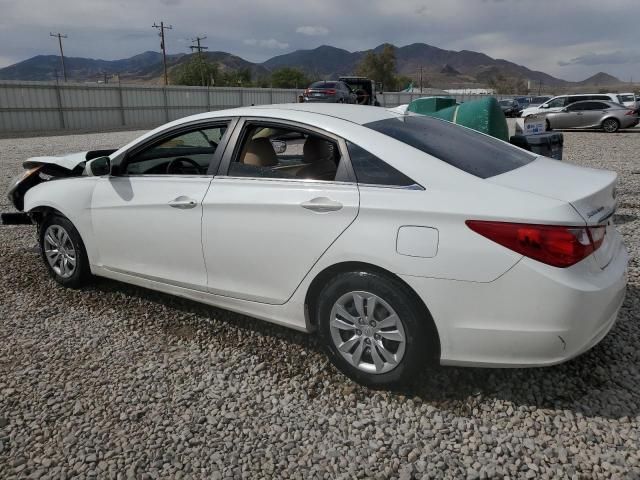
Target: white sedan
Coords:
[(399, 239)]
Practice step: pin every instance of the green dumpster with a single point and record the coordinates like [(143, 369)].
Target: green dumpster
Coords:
[(483, 115)]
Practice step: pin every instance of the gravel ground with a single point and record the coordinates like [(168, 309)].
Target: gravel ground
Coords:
[(119, 382)]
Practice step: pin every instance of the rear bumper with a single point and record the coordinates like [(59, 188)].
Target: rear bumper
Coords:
[(321, 99), (534, 315)]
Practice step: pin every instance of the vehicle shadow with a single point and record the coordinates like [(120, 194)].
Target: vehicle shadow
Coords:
[(601, 382)]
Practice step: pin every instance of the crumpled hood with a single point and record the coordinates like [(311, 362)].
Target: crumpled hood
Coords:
[(69, 161)]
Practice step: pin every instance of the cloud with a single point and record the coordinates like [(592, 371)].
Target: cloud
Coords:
[(313, 30), (612, 58), (271, 43)]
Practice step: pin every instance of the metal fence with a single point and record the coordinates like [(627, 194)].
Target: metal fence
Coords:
[(44, 106)]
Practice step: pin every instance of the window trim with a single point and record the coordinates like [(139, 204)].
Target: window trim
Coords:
[(236, 140), (120, 162)]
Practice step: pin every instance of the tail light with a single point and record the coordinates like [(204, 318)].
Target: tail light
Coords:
[(630, 112), (306, 91), (559, 246), (330, 92)]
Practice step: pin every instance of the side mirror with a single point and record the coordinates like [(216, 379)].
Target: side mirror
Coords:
[(98, 167)]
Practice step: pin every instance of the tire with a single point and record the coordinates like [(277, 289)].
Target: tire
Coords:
[(397, 360), (58, 233), (610, 125)]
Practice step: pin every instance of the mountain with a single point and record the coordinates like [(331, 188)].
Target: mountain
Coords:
[(326, 61), (599, 79), (440, 68), (44, 67)]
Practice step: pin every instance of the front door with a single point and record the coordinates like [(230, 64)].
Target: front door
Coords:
[(283, 200), (147, 220)]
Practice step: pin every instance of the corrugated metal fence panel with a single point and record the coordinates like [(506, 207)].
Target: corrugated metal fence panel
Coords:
[(47, 106)]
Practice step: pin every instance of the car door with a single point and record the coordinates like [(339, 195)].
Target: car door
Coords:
[(268, 217), (593, 113), (569, 117), (147, 218)]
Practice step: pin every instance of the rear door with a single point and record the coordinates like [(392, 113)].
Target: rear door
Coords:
[(593, 113), (281, 198)]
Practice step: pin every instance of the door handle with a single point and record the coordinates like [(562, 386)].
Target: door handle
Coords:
[(321, 205), (183, 202)]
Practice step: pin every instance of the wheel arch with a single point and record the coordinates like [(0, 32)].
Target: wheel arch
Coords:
[(316, 285)]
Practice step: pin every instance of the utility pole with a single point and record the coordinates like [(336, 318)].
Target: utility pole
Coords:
[(60, 37), (162, 27), (199, 48), (420, 78)]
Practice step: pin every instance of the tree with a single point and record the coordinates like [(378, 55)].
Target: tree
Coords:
[(507, 85), (289, 78), (196, 72), (380, 67)]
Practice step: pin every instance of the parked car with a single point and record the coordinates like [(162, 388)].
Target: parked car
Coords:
[(387, 243), (364, 88), (629, 100), (558, 103), (608, 116), (510, 108), (329, 92), (523, 101), (536, 101)]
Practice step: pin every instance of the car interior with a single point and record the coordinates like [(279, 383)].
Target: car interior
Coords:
[(285, 153), (185, 154)]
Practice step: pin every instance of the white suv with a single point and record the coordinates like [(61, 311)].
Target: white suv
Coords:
[(558, 103)]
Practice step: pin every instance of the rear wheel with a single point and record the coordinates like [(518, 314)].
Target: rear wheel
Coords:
[(374, 331), (63, 252), (610, 125)]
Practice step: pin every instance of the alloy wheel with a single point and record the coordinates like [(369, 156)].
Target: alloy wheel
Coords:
[(59, 251), (610, 125), (367, 332)]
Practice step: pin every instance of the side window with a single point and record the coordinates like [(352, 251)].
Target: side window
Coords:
[(186, 153), (578, 107), (371, 170), (597, 106), (285, 152), (575, 99), (558, 102)]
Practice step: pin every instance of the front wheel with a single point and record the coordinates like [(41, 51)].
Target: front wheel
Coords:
[(63, 252), (374, 330), (610, 125)]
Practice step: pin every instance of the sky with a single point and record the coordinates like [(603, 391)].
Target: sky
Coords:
[(570, 39)]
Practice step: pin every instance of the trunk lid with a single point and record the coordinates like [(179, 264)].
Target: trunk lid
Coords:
[(591, 192)]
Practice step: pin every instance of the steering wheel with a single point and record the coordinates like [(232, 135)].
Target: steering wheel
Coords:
[(182, 160)]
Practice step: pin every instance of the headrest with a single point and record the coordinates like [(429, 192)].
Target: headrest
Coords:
[(260, 152)]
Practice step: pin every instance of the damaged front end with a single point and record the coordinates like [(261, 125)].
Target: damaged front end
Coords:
[(44, 169)]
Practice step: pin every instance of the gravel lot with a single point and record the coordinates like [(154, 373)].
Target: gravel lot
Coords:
[(119, 382)]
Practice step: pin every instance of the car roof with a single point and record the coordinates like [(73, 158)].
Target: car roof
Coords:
[(608, 102), (359, 114)]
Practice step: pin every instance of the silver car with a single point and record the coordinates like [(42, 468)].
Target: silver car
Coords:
[(608, 116)]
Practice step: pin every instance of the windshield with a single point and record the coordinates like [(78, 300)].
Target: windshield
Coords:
[(626, 98), (463, 148), (323, 85), (505, 103)]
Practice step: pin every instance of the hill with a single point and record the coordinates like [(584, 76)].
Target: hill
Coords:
[(440, 68)]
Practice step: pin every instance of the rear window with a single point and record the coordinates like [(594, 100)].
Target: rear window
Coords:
[(323, 85), (463, 148), (626, 98)]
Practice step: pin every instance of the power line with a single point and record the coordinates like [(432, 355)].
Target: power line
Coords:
[(162, 27), (60, 37), (199, 48)]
